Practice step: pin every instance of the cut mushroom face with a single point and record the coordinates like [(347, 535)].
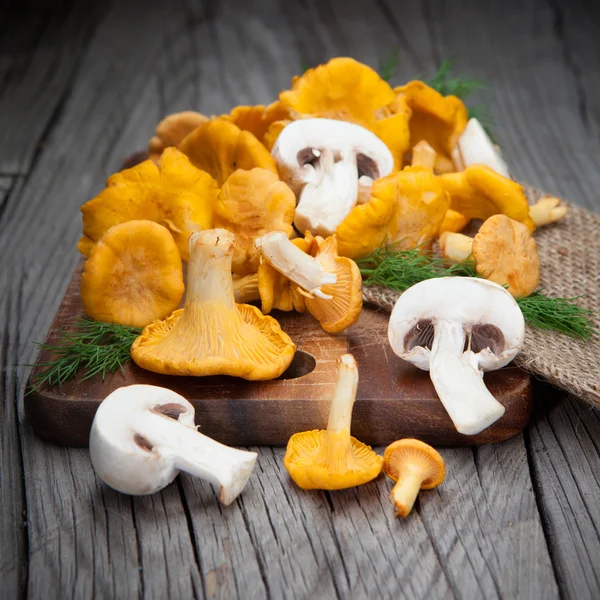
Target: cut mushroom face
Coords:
[(458, 327), (329, 164), (474, 147), (143, 435)]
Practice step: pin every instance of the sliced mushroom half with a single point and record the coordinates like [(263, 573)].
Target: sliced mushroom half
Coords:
[(329, 164), (457, 328)]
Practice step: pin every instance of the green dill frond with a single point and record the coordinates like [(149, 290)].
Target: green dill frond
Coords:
[(387, 68), (400, 269), (557, 314), (97, 348), (448, 83)]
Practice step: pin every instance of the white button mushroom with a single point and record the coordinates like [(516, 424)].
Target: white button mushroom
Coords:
[(143, 435), (329, 164), (474, 146), (458, 327)]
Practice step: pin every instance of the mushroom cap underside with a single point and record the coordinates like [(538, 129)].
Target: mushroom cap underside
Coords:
[(307, 134), (343, 309), (484, 308), (211, 339), (409, 456), (315, 461)]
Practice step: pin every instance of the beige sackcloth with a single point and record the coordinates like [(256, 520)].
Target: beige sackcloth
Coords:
[(570, 266)]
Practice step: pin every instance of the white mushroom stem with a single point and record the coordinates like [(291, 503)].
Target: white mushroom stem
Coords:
[(304, 270), (458, 381), (143, 435), (474, 146), (330, 193), (226, 468), (324, 162)]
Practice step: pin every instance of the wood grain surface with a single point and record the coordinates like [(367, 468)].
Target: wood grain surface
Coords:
[(394, 399), (82, 84)]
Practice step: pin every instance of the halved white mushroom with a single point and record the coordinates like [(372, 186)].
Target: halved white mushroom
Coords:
[(457, 328), (330, 165), (299, 267), (474, 146), (143, 435)]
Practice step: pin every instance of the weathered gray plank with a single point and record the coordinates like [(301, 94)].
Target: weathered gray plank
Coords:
[(167, 561), (13, 543), (485, 525), (565, 456), (6, 184), (41, 50), (82, 537), (336, 544)]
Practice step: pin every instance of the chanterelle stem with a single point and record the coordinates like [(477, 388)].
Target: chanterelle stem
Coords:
[(406, 490), (340, 411), (209, 269), (296, 265), (459, 382), (326, 201)]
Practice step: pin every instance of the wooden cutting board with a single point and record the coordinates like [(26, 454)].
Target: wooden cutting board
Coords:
[(394, 398)]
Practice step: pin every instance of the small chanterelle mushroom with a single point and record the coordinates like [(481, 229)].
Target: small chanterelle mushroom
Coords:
[(332, 283), (414, 466), (329, 164), (457, 328), (332, 459), (143, 435)]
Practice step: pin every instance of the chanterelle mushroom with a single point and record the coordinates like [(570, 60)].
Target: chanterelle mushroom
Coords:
[(458, 327), (414, 466), (504, 252), (332, 283), (332, 459), (143, 435), (133, 275), (327, 163), (212, 335)]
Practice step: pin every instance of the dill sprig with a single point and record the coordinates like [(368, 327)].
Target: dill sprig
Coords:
[(557, 314), (448, 83), (401, 269), (387, 68), (98, 348)]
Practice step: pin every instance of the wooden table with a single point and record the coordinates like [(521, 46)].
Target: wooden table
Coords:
[(82, 86)]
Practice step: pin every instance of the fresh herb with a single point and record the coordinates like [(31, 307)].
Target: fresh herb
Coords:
[(98, 348), (448, 83), (387, 69), (557, 314), (401, 269), (304, 65)]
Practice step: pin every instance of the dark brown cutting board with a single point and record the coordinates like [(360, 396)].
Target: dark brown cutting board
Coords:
[(394, 398)]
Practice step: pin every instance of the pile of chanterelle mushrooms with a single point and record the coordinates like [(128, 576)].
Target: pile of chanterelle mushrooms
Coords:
[(272, 205)]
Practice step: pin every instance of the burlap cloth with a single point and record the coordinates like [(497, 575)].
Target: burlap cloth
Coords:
[(570, 266)]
